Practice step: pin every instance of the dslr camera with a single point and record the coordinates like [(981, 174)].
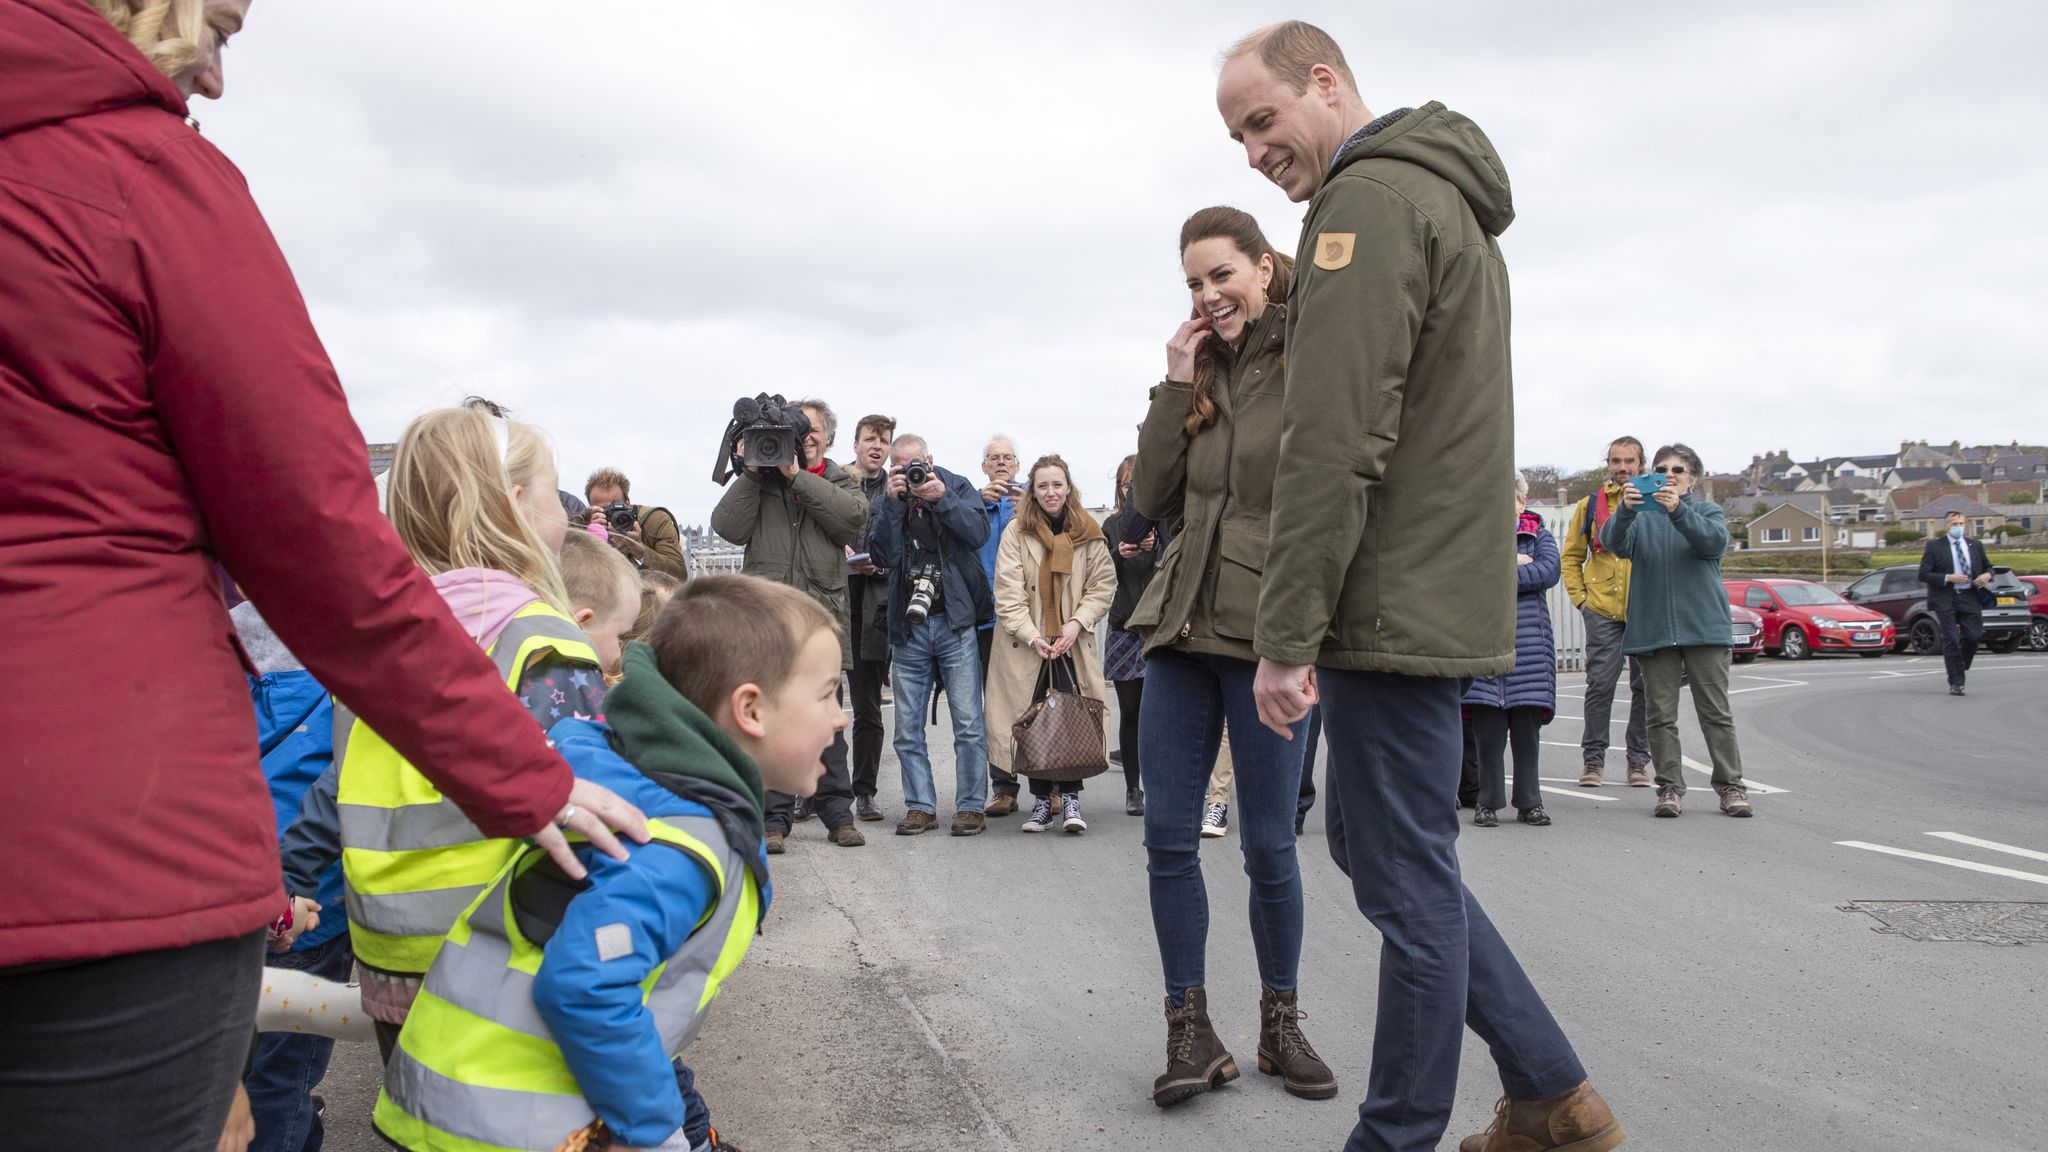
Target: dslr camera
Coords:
[(621, 516), (772, 431), (915, 474), (925, 582)]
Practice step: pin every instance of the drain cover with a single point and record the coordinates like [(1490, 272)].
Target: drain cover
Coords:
[(1978, 921)]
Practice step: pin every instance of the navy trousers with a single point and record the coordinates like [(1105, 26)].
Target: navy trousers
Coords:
[(1395, 745)]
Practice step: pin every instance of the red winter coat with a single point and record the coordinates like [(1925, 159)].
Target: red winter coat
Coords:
[(163, 402)]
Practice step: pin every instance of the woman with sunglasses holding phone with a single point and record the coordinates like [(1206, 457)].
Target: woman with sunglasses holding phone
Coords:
[(1678, 621)]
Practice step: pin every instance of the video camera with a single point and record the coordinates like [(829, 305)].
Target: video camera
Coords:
[(772, 431)]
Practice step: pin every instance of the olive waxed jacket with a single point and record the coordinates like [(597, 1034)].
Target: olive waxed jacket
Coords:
[(1397, 455), (796, 532), (1218, 485)]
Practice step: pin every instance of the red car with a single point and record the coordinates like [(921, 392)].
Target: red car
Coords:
[(1802, 618), (2037, 603), (1749, 634)]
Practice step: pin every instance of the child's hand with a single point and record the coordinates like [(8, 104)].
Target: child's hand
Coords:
[(302, 917)]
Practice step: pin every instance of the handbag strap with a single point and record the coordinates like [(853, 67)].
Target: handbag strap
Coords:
[(1049, 680)]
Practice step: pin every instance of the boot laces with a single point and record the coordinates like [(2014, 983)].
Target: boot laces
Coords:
[(1287, 1020), (1180, 1035)]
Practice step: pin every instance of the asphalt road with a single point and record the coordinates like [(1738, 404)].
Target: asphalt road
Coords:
[(1002, 992)]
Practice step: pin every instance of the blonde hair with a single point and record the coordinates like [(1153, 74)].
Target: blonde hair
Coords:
[(596, 576), (1290, 49), (452, 502), (167, 32)]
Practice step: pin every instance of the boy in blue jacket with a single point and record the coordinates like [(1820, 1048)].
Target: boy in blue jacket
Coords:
[(295, 734), (554, 1008)]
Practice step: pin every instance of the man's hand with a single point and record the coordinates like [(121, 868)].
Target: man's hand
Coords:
[(859, 567), (1068, 635), (1284, 694), (931, 491), (1958, 579), (994, 491), (789, 471), (897, 486), (594, 810), (1182, 349), (241, 1126), (1983, 579)]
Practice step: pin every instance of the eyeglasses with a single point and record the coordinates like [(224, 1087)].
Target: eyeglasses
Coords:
[(1000, 458), (1669, 469)]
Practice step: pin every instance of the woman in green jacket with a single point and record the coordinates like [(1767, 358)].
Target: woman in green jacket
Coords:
[(1206, 457), (1678, 623)]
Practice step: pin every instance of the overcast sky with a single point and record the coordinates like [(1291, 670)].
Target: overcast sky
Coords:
[(1809, 226)]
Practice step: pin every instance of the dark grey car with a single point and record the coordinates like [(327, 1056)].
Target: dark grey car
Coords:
[(1898, 593)]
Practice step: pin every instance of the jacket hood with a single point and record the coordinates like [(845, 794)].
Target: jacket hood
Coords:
[(676, 745), (484, 600), (60, 59), (1453, 147)]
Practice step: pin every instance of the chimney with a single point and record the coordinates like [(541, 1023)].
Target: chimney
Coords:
[(1563, 494)]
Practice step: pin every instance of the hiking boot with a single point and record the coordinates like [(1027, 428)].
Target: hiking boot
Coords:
[(1639, 776), (1216, 820), (1535, 817), (801, 810), (847, 836), (1578, 1121), (1285, 1052), (1001, 804), (968, 823), (1134, 801), (1735, 802), (915, 823), (773, 841), (864, 807), (1592, 775), (1196, 1060), (1484, 817), (1667, 802), (1070, 813), (1041, 815)]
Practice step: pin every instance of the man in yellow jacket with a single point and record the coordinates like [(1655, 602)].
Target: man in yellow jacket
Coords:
[(1597, 581)]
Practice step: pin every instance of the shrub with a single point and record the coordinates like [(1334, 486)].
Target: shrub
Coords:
[(1901, 536)]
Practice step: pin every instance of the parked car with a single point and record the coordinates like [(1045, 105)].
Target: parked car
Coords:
[(1749, 634), (1898, 593), (2037, 603), (1801, 618)]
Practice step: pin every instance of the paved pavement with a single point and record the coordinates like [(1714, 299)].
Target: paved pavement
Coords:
[(1002, 992)]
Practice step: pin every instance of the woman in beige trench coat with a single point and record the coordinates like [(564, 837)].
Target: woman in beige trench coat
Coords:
[(1054, 584)]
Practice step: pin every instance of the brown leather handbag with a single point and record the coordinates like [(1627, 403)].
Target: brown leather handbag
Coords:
[(1060, 736)]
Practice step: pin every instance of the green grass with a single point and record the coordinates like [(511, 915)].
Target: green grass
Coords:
[(2024, 563)]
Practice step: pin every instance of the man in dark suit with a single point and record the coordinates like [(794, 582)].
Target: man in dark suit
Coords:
[(1955, 569)]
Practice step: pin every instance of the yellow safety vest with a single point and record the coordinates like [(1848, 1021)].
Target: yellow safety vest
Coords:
[(412, 860), (476, 1068)]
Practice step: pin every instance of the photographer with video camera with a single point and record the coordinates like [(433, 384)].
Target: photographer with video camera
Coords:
[(648, 536), (928, 531), (794, 512)]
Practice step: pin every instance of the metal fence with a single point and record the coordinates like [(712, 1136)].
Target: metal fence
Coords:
[(1566, 625), (715, 561)]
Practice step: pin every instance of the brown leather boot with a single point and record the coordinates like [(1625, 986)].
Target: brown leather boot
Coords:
[(1285, 1052), (1195, 1057), (1578, 1121)]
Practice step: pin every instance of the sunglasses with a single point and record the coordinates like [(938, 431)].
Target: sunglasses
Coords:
[(1669, 469)]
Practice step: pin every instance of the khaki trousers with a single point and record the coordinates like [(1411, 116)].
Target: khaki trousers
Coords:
[(1703, 669), (1223, 773)]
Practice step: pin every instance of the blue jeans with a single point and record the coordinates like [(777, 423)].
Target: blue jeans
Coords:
[(696, 1113), (288, 1066), (928, 647), (1395, 747), (1180, 726)]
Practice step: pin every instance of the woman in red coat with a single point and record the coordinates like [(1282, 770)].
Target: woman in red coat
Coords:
[(165, 403)]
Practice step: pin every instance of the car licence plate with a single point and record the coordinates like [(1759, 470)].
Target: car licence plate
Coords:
[(2007, 601), (1867, 637)]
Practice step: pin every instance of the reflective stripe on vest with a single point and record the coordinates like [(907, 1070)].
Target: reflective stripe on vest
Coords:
[(413, 861), (477, 1069)]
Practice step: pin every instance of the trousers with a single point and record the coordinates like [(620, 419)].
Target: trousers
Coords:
[(1703, 669)]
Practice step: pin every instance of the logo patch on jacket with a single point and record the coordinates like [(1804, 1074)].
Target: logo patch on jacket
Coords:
[(1333, 249), (614, 941)]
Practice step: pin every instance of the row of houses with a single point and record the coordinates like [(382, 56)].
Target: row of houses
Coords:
[(1853, 501)]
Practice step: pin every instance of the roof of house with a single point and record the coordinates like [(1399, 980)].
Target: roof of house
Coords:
[(1811, 513), (1911, 474), (2017, 463), (1936, 509), (1967, 471)]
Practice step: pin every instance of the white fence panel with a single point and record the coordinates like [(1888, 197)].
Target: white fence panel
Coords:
[(1566, 625)]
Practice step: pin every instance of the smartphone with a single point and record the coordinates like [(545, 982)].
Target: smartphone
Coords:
[(858, 558), (1648, 484)]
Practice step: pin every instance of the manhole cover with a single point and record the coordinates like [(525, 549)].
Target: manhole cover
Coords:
[(1979, 921)]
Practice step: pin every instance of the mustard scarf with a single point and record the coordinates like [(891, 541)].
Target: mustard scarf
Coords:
[(1058, 566)]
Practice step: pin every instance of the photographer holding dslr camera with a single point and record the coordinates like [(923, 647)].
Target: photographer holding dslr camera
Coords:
[(648, 536), (928, 531), (794, 512)]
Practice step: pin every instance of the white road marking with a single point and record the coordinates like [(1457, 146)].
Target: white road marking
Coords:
[(1951, 861), (1769, 684), (1581, 793), (1994, 845), (1747, 783)]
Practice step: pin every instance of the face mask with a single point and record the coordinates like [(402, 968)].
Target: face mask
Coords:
[(1956, 533)]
